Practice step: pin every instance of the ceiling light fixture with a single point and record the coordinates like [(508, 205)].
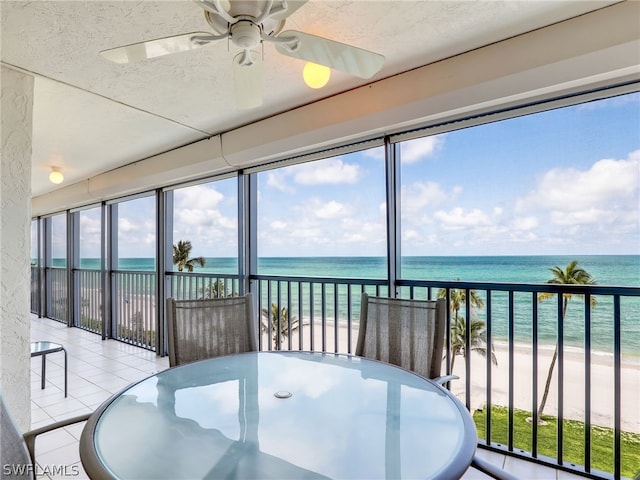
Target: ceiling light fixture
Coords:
[(56, 175), (316, 76)]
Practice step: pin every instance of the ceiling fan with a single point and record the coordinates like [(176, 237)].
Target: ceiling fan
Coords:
[(246, 24)]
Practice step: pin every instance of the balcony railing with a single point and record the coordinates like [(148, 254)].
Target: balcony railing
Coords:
[(56, 298), (89, 284), (593, 387)]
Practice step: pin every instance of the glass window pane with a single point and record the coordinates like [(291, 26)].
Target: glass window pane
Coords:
[(137, 234), (562, 182), (207, 216), (90, 238), (327, 208), (59, 240), (34, 242)]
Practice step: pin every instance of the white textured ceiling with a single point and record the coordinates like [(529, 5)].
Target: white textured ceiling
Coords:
[(91, 115)]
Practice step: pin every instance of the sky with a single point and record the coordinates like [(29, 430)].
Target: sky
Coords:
[(562, 182)]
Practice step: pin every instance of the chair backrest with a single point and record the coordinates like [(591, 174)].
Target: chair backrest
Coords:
[(14, 456), (200, 329), (407, 333)]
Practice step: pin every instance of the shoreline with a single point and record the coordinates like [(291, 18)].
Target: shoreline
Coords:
[(627, 358)]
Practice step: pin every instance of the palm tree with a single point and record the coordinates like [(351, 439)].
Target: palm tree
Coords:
[(478, 337), (280, 322), (181, 252), (571, 275), (214, 289)]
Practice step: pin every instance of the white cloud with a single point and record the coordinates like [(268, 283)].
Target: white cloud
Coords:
[(458, 218), (279, 179), (367, 233), (355, 238), (582, 217), (525, 223), (522, 237), (419, 196), (374, 153), (598, 194), (125, 225), (333, 209), (410, 234), (309, 235), (322, 226), (206, 215), (200, 197), (416, 150), (201, 206), (330, 171), (278, 225), (90, 224)]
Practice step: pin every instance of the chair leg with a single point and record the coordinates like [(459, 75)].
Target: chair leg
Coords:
[(65, 372), (43, 372)]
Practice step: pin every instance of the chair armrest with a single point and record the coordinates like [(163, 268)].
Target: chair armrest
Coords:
[(30, 436), (490, 469), (441, 380)]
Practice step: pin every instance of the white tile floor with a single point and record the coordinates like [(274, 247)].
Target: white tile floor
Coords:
[(97, 369)]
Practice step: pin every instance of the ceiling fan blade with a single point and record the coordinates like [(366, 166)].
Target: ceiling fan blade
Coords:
[(158, 47), (292, 7), (247, 76), (339, 56)]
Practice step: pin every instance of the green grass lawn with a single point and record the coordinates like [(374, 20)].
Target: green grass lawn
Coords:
[(573, 444)]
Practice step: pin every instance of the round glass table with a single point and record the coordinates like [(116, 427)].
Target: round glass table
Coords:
[(280, 415)]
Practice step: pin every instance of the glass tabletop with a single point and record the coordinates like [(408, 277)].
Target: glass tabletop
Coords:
[(39, 348), (281, 415)]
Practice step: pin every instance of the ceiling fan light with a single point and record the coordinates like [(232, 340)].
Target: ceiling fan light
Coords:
[(56, 176), (316, 76)]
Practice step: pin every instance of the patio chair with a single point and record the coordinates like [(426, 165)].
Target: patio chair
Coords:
[(18, 452), (410, 334), (206, 328), (406, 333)]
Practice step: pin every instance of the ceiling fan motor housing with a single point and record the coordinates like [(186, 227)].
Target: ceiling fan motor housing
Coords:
[(245, 34)]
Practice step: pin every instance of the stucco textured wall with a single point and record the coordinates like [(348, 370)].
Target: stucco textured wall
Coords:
[(15, 223)]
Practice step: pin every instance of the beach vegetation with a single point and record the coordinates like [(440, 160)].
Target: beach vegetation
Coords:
[(90, 323), (278, 320), (478, 335), (571, 275), (214, 289), (182, 256), (133, 330), (573, 432)]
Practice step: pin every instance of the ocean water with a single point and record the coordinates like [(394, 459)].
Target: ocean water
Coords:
[(607, 270), (610, 270)]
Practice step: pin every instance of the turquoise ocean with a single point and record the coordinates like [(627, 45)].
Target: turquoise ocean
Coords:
[(606, 270)]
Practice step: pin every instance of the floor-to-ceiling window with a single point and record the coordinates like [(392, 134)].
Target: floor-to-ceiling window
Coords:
[(562, 182), (203, 240), (554, 197), (89, 274), (36, 284), (323, 218), (133, 263), (56, 267)]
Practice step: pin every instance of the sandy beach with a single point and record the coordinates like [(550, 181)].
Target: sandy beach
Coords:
[(602, 377)]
